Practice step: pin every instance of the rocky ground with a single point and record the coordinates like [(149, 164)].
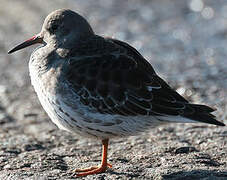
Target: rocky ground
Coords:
[(185, 40)]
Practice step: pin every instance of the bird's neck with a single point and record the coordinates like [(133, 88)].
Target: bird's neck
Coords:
[(43, 58)]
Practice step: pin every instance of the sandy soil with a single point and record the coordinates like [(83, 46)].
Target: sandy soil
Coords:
[(185, 40)]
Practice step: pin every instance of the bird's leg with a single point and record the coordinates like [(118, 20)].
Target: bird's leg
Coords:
[(97, 169)]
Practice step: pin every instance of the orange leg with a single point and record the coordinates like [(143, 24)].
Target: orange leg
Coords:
[(96, 169)]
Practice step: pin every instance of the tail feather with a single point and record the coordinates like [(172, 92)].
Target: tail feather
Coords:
[(203, 108), (202, 114)]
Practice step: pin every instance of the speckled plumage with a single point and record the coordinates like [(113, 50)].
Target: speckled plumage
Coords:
[(101, 87)]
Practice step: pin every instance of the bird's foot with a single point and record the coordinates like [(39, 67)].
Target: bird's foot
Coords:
[(92, 170)]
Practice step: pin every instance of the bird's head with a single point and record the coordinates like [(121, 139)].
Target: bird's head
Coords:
[(61, 28)]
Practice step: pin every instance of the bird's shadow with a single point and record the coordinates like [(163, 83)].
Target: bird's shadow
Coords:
[(196, 174), (185, 175)]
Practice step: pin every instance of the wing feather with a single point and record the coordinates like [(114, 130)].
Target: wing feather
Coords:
[(122, 82)]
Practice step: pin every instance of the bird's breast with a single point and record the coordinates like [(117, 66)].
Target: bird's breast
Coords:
[(45, 80)]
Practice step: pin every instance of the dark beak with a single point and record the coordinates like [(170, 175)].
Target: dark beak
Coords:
[(34, 40)]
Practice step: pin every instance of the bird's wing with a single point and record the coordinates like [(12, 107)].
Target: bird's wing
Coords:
[(124, 83)]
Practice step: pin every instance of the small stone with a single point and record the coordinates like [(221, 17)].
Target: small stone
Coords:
[(32, 147), (8, 166), (185, 150)]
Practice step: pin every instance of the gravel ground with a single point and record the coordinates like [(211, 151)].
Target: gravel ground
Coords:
[(185, 40)]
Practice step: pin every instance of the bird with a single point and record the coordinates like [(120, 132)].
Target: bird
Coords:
[(101, 87)]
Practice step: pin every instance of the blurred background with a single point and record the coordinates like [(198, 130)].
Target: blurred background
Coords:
[(186, 43)]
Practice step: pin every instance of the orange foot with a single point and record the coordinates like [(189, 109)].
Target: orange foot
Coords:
[(95, 169), (92, 170)]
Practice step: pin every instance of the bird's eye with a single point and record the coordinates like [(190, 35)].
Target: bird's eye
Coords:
[(53, 28)]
